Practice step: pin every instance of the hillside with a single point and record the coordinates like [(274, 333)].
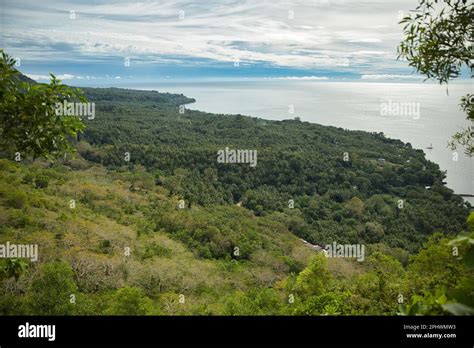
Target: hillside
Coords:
[(145, 220), (349, 186), (108, 217)]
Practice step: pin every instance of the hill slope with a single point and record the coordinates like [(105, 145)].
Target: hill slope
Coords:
[(145, 220), (349, 186)]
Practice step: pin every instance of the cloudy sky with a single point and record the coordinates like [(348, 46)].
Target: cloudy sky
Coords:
[(96, 41)]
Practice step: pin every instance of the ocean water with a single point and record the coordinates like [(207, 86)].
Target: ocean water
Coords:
[(427, 115)]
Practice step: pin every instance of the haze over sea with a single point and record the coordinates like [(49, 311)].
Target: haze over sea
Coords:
[(350, 105)]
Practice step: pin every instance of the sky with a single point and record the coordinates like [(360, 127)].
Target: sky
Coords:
[(114, 42)]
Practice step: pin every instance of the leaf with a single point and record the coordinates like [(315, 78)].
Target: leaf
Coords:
[(461, 240), (469, 258), (458, 308), (442, 299), (414, 309)]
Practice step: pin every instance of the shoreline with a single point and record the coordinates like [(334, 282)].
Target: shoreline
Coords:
[(467, 197)]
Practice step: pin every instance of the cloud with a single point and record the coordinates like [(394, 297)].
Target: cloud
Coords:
[(87, 77), (365, 40), (390, 77), (318, 34), (65, 77), (315, 78), (39, 77), (370, 53)]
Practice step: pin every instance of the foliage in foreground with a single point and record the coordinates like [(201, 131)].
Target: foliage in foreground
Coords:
[(29, 125), (438, 44)]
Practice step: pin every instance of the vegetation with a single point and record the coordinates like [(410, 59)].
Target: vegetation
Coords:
[(191, 252), (348, 186), (29, 124), (438, 44), (145, 221)]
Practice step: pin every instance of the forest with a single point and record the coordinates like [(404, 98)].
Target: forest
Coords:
[(137, 216), (349, 186)]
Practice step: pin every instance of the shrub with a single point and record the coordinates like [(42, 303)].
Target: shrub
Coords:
[(17, 199), (41, 181), (28, 178)]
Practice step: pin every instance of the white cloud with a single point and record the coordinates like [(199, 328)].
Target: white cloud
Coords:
[(369, 53), (390, 77), (316, 78), (65, 77), (320, 35), (365, 40), (38, 77)]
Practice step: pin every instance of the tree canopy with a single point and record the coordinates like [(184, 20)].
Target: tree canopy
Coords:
[(438, 43)]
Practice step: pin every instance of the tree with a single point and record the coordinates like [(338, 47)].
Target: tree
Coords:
[(14, 268), (373, 232), (434, 266), (355, 208), (51, 290), (130, 301), (470, 222), (315, 278), (441, 278), (29, 124), (438, 43), (256, 301)]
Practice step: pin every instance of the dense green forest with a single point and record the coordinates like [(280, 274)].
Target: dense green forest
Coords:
[(348, 186), (145, 220)]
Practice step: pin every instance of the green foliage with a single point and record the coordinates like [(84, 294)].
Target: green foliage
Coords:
[(297, 161), (470, 222), (427, 304), (328, 303), (155, 250), (229, 258), (466, 244), (130, 301), (456, 308), (28, 122), (355, 208), (255, 302), (104, 245), (434, 304), (41, 181), (465, 138), (438, 43), (193, 249), (437, 37), (315, 278), (434, 266), (376, 290), (446, 285), (51, 289), (17, 199), (13, 268)]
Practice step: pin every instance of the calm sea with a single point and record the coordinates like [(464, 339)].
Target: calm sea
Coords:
[(427, 115)]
